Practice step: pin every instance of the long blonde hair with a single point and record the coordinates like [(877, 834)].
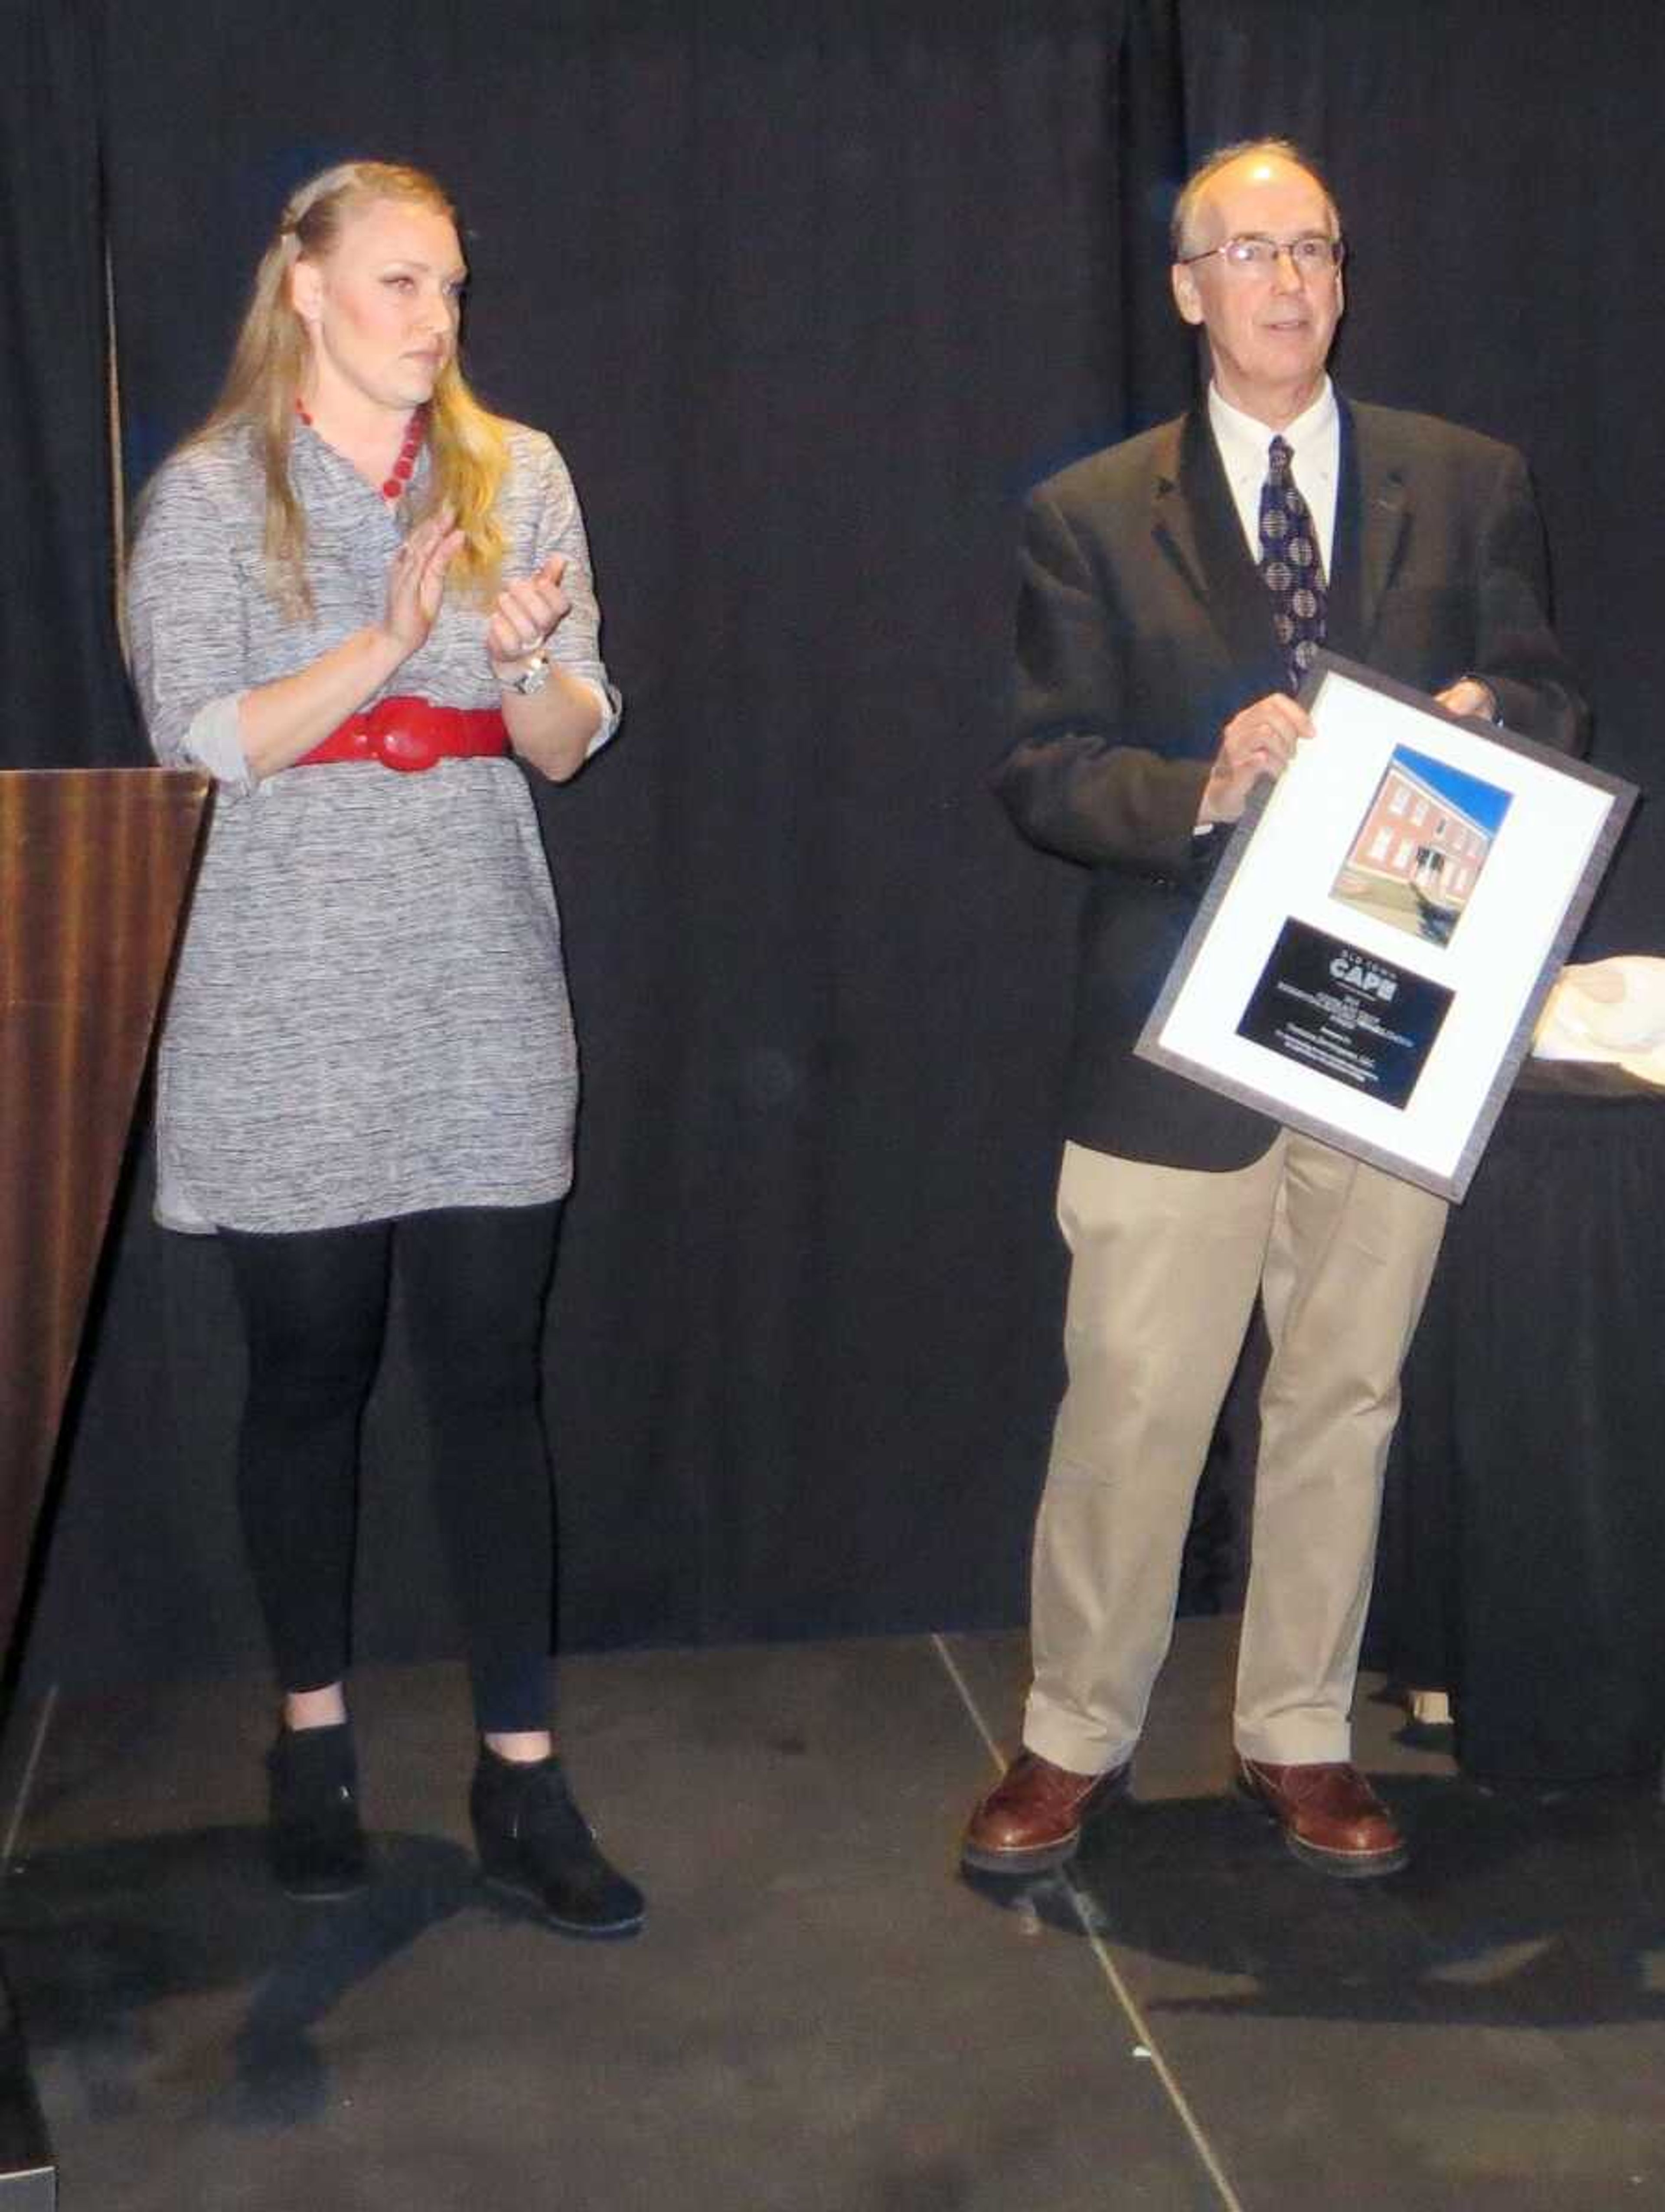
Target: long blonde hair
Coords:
[(468, 450)]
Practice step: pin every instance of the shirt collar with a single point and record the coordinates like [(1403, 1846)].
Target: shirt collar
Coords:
[(1313, 438)]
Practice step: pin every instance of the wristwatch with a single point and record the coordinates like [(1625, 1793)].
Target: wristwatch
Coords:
[(1491, 712), (533, 677)]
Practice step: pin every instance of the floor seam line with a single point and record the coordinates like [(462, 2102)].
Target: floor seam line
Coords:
[(951, 1665), (1165, 2074), (26, 1785), (1108, 1968)]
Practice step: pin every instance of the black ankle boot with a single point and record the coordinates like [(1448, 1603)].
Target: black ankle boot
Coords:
[(315, 1841), (534, 1841)]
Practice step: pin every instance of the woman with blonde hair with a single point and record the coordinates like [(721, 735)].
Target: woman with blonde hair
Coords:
[(356, 598)]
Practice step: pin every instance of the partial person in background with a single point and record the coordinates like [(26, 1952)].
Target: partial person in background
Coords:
[(357, 598), (1174, 590)]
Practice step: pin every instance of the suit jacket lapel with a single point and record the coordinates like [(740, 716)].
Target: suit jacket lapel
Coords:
[(1195, 527), (1372, 518)]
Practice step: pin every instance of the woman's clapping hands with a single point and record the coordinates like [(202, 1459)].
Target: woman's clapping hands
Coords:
[(526, 613), (416, 582)]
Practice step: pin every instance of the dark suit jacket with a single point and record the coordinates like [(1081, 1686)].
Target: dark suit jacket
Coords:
[(1143, 625)]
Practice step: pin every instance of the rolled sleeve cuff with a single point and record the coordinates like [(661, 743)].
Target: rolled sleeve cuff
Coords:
[(611, 706), (213, 739)]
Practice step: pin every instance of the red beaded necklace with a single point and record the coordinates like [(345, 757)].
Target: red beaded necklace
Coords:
[(415, 430)]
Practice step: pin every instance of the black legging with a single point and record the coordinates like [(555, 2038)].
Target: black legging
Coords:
[(314, 1304)]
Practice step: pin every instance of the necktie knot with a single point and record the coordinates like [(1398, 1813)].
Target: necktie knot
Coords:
[(1292, 565)]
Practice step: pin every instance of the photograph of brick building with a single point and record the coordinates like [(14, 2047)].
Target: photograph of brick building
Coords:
[(1421, 848)]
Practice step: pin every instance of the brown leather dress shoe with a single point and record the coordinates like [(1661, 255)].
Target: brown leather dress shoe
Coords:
[(1331, 1817), (1033, 1817)]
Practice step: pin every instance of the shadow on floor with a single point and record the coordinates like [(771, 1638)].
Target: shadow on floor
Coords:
[(104, 1934), (1514, 1912)]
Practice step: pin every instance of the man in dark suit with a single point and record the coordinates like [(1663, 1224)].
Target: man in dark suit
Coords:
[(1173, 590)]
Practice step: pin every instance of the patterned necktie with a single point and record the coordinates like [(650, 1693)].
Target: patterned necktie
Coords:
[(1289, 563)]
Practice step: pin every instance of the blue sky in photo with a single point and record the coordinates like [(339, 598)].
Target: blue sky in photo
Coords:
[(1483, 803)]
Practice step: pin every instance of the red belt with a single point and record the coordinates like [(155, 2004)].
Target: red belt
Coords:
[(410, 735)]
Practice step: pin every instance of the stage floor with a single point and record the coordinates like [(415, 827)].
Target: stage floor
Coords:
[(821, 2016)]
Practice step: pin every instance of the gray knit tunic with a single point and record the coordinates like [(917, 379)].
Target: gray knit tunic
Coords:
[(370, 1015)]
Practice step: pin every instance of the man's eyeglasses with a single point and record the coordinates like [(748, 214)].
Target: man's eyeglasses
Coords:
[(1313, 255)]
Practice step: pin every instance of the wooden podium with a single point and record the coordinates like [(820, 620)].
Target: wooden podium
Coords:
[(94, 865)]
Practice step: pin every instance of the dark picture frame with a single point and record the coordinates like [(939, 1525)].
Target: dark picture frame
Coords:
[(1371, 956)]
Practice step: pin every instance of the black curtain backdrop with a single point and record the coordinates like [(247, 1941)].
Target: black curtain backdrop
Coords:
[(66, 703), (809, 296), (1492, 160)]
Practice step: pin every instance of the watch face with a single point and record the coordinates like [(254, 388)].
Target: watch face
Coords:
[(533, 677)]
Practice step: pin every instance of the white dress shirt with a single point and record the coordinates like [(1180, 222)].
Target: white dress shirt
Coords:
[(1314, 442)]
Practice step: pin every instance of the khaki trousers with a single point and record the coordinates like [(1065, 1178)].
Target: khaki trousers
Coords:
[(1165, 1265)]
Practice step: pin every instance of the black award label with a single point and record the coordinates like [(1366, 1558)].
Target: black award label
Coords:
[(1351, 1015)]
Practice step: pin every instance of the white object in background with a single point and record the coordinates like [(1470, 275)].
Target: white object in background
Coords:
[(1608, 1009)]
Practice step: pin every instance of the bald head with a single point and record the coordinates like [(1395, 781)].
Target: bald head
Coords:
[(1249, 160)]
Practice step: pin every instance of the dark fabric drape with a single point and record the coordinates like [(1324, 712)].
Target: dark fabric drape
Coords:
[(1486, 154), (66, 701), (809, 296), (1519, 1562)]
